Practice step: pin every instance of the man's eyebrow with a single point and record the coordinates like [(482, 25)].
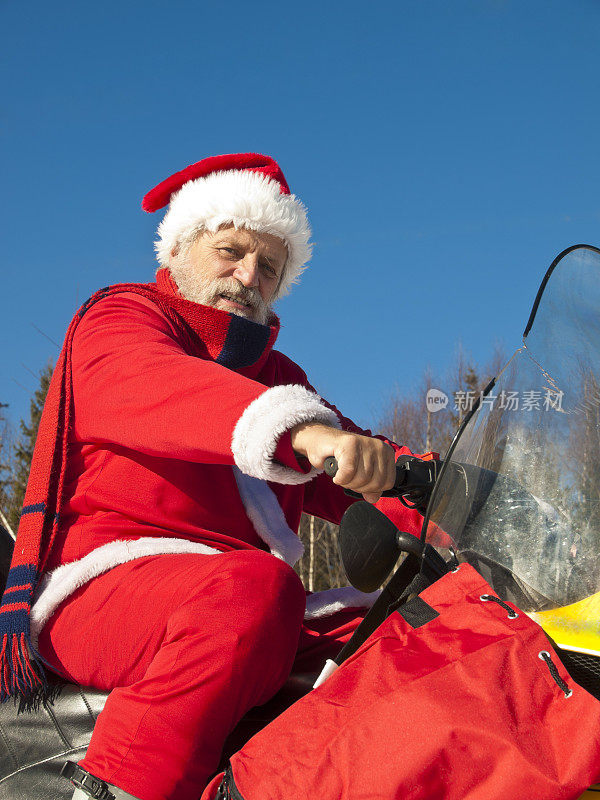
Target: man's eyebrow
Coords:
[(224, 239)]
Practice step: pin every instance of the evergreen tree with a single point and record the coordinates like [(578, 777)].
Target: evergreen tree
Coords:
[(23, 451)]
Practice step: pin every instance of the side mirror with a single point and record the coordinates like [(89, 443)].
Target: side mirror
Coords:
[(370, 544)]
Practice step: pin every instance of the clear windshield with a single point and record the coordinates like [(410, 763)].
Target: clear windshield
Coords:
[(519, 498)]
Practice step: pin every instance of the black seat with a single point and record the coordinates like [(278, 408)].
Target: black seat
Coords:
[(34, 746)]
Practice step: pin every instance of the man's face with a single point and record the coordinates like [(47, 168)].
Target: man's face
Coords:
[(235, 270)]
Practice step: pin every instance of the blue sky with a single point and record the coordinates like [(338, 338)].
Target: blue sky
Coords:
[(447, 151)]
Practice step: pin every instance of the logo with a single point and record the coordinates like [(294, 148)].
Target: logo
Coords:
[(436, 400)]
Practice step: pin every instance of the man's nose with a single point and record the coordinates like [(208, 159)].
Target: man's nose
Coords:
[(247, 271)]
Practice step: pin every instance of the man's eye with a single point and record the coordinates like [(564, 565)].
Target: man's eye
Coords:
[(268, 269), (229, 250)]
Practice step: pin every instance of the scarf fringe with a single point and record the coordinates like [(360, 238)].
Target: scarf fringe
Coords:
[(22, 674)]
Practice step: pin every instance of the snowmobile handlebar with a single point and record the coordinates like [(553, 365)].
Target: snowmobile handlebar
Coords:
[(414, 482)]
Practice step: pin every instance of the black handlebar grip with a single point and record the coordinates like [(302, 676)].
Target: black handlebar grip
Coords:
[(331, 466)]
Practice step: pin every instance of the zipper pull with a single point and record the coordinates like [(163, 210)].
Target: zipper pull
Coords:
[(223, 792)]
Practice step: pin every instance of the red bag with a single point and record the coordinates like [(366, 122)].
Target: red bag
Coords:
[(456, 695)]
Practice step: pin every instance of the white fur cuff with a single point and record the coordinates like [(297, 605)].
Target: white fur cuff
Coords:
[(266, 419)]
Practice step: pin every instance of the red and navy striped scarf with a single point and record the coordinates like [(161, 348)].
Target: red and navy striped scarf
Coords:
[(225, 338)]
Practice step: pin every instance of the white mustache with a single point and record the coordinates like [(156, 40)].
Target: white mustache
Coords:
[(202, 289), (243, 294)]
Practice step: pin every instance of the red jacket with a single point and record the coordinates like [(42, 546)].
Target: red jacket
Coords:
[(151, 448), (158, 427)]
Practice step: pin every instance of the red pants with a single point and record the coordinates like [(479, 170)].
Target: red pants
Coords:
[(187, 644)]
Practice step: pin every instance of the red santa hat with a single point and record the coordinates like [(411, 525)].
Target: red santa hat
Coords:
[(247, 190)]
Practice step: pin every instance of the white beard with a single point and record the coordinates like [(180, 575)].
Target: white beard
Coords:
[(208, 291)]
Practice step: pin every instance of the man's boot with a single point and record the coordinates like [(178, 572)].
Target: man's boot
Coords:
[(118, 794), (88, 786)]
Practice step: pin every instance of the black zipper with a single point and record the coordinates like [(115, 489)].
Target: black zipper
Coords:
[(227, 789)]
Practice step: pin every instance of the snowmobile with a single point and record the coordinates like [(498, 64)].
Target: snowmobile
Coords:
[(517, 496)]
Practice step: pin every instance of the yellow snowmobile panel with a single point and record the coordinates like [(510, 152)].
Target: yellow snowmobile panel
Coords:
[(574, 627), (593, 793)]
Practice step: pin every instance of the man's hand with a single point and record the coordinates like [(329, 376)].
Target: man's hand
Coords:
[(365, 465)]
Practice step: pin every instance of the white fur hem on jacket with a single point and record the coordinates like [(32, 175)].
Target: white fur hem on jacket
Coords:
[(266, 419), (268, 519), (330, 601), (56, 586)]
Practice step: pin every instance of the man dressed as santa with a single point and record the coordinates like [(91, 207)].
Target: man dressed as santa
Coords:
[(175, 456)]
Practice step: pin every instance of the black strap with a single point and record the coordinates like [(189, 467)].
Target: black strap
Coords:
[(415, 587), (380, 608), (417, 612), (411, 577), (92, 786)]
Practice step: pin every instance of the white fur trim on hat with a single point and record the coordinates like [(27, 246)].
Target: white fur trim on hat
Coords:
[(265, 420), (246, 200)]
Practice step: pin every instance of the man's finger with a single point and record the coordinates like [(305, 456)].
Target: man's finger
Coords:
[(371, 497), (348, 460), (366, 475)]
